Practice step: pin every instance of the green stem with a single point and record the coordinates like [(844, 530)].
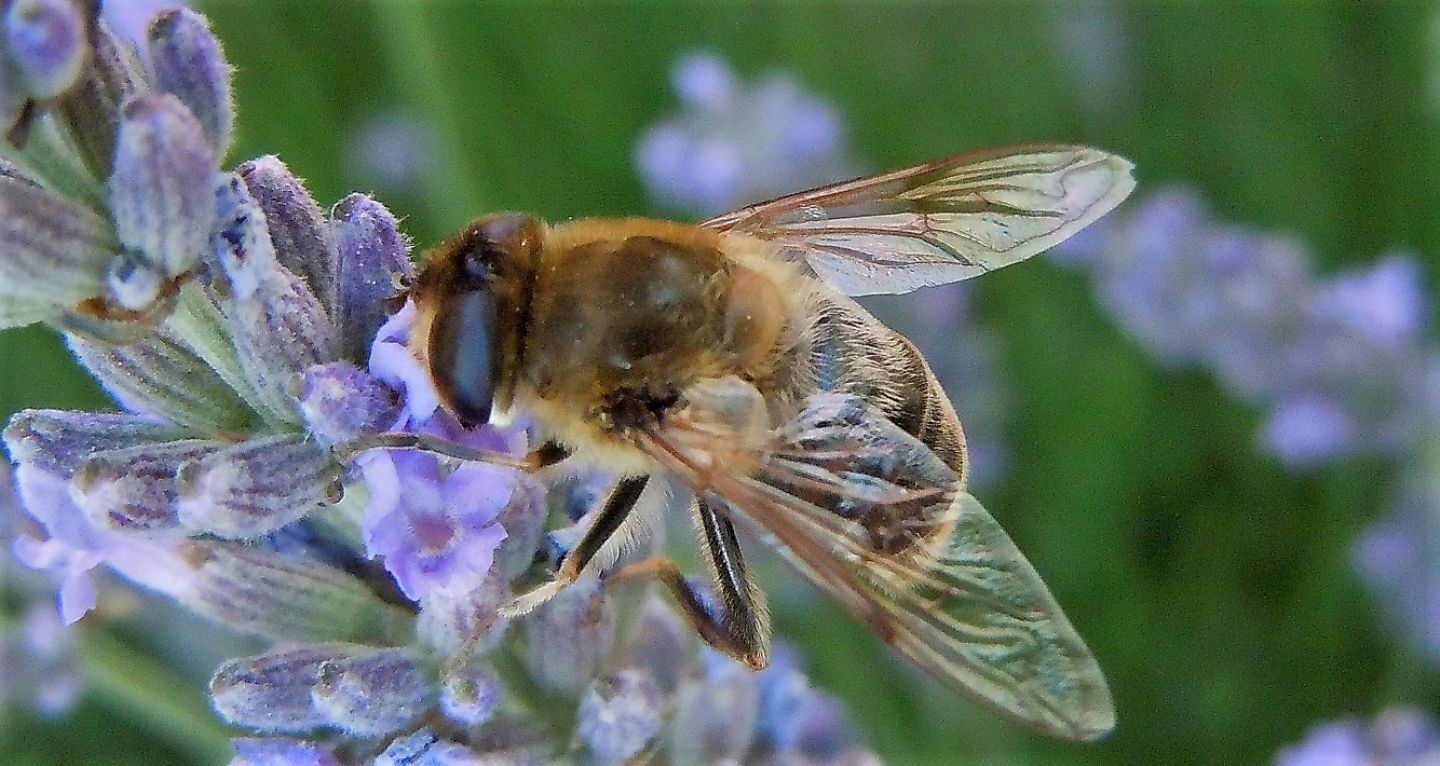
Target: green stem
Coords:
[(149, 694), (411, 62), (47, 156)]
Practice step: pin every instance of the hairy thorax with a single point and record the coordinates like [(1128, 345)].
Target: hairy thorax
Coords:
[(627, 314)]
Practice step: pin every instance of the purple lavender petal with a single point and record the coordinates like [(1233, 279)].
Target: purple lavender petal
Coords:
[(392, 362), (435, 533)]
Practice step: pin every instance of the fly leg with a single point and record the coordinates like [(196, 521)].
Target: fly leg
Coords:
[(607, 521), (738, 624)]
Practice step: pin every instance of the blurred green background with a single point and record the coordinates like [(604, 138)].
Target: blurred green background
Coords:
[(1214, 585)]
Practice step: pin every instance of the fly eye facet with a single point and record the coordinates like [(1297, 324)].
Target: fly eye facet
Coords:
[(463, 354)]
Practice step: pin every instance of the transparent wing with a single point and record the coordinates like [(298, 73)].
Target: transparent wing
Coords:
[(874, 518), (941, 221)]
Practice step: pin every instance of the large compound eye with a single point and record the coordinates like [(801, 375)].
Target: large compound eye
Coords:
[(462, 354)]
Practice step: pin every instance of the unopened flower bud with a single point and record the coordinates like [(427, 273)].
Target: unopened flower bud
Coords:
[(58, 441), (133, 489), (271, 692), (288, 597), (374, 693), (469, 697), (256, 486), (340, 402), (619, 715), (188, 63), (374, 268), (45, 40), (279, 327), (568, 636), (162, 190), (715, 716), (298, 230)]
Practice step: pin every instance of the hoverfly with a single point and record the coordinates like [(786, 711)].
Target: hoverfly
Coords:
[(724, 366)]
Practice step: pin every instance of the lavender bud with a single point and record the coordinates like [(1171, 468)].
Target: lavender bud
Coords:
[(374, 268), (133, 489), (715, 718), (45, 40), (424, 748), (58, 441), (92, 108), (470, 697), (619, 715), (660, 642), (373, 694), (162, 191), (158, 374), (568, 636), (298, 230), (288, 597), (340, 401), (51, 249), (257, 486), (282, 752), (451, 619), (278, 326), (271, 692), (188, 62)]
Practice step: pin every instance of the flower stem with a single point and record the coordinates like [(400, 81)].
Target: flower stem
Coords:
[(134, 685), (410, 58)]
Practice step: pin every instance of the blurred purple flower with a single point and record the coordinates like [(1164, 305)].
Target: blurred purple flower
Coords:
[(73, 547), (392, 151), (1338, 360), (734, 144), (1397, 737)]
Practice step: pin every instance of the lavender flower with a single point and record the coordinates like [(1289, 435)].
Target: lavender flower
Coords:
[(735, 144), (1338, 360), (245, 336), (1397, 737), (1339, 364)]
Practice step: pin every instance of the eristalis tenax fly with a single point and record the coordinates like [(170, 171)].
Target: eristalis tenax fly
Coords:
[(724, 366)]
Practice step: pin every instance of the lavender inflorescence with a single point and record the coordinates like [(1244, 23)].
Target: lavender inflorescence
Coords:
[(1340, 364), (249, 336)]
